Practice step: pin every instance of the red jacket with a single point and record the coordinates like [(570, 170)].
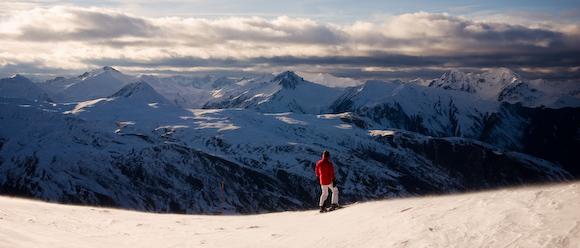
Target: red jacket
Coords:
[(325, 171)]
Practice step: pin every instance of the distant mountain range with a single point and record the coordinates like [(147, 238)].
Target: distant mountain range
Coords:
[(499, 84), (504, 85), (170, 143)]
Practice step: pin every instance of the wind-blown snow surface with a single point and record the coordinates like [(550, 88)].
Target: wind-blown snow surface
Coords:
[(541, 216)]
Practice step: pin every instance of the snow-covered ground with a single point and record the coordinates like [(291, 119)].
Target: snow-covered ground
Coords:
[(540, 216)]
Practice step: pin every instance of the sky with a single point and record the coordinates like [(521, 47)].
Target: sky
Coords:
[(358, 39)]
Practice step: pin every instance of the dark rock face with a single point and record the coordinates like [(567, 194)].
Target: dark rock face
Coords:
[(554, 135), (473, 165), (550, 134), (477, 167)]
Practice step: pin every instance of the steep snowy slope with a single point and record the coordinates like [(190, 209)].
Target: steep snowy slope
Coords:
[(486, 85), (416, 108), (540, 216), (94, 84), (286, 92), (18, 86)]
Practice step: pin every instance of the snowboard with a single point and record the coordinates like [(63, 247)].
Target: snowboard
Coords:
[(333, 209), (328, 210)]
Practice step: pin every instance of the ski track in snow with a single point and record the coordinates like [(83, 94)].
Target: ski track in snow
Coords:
[(539, 216)]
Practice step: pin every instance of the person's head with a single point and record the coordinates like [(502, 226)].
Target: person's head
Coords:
[(325, 154)]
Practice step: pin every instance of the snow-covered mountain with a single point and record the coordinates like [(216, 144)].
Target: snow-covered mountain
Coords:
[(545, 216), (412, 107), (19, 86), (499, 84), (486, 85), (286, 92), (94, 84), (504, 85)]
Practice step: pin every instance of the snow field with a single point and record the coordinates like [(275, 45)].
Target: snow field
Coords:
[(539, 216)]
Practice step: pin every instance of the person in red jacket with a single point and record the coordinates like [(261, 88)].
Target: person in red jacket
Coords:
[(325, 173)]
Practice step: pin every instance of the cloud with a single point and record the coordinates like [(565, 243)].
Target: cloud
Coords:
[(75, 24), (73, 38)]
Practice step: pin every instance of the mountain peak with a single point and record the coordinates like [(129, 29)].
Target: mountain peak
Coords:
[(99, 71), (140, 91), (288, 79), (109, 68)]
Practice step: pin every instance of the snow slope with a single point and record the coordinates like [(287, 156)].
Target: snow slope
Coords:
[(540, 216)]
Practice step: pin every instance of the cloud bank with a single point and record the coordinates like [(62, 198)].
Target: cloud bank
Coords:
[(61, 39)]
